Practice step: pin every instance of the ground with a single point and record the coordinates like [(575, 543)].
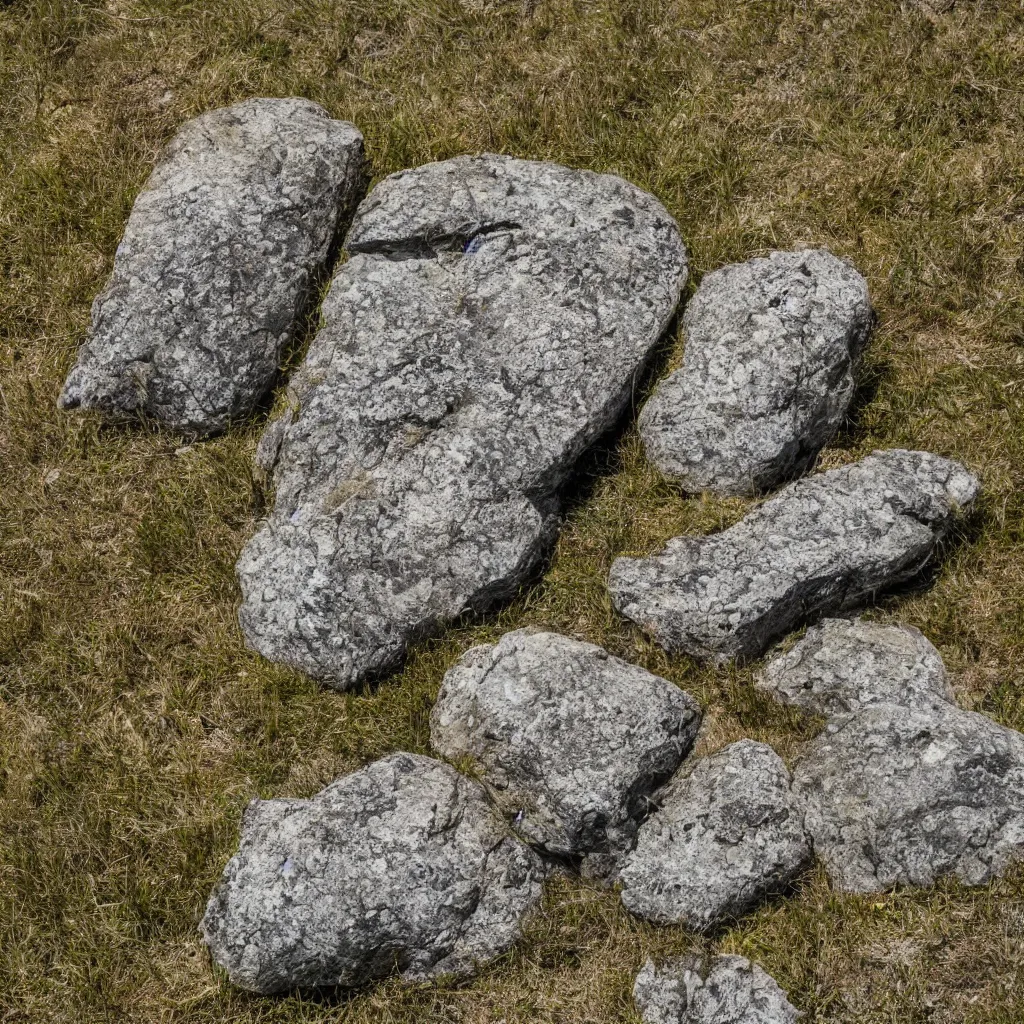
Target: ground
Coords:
[(135, 726)]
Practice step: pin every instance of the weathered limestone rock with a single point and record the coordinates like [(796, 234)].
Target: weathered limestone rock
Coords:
[(824, 543), (401, 866), (768, 374), (221, 259), (727, 834), (489, 325), (728, 990), (842, 665), (569, 741)]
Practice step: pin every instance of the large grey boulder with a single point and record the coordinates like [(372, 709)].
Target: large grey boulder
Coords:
[(822, 544), (727, 834), (841, 665), (728, 990), (768, 374), (569, 741), (400, 867), (221, 259), (489, 324)]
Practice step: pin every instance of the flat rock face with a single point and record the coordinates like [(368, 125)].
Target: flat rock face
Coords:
[(219, 263), (489, 325), (771, 347), (904, 795), (728, 990), (842, 665), (569, 741), (822, 544), (727, 835), (401, 866)]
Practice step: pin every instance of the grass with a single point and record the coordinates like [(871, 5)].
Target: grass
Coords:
[(134, 725)]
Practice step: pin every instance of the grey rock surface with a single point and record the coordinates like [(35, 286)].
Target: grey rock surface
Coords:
[(489, 325), (220, 261), (728, 990), (399, 867), (768, 373), (841, 665), (569, 741), (822, 544), (727, 834)]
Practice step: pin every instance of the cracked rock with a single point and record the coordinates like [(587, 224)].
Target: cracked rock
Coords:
[(825, 543), (490, 324), (569, 741), (768, 374), (220, 262), (399, 867), (727, 835), (728, 990), (842, 665)]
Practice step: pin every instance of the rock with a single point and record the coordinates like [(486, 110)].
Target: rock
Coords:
[(822, 544), (897, 795), (768, 376), (842, 665), (490, 324), (729, 990), (727, 835), (569, 741), (401, 866), (221, 260)]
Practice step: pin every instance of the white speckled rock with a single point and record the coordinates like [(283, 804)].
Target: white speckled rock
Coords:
[(569, 741), (401, 866), (220, 261), (727, 835), (768, 374), (825, 543), (490, 324)]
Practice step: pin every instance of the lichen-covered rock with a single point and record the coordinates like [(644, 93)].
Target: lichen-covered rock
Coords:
[(221, 259), (768, 374), (897, 795), (822, 544), (842, 665), (569, 741), (728, 990), (401, 866), (726, 835), (489, 325)]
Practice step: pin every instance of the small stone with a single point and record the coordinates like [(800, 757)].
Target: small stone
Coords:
[(842, 665), (727, 835), (399, 867), (822, 544), (728, 990), (569, 741), (768, 374), (221, 260)]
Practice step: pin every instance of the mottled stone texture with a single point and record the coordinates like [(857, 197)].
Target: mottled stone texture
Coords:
[(401, 866), (569, 741), (824, 543), (489, 325), (728, 990), (768, 374), (220, 261), (727, 835), (842, 665)]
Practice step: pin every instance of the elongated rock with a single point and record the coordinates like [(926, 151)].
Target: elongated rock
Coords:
[(220, 261), (822, 544), (768, 374), (727, 835), (489, 325), (401, 866), (569, 741)]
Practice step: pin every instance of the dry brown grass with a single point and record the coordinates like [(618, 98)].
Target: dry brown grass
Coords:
[(134, 725)]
